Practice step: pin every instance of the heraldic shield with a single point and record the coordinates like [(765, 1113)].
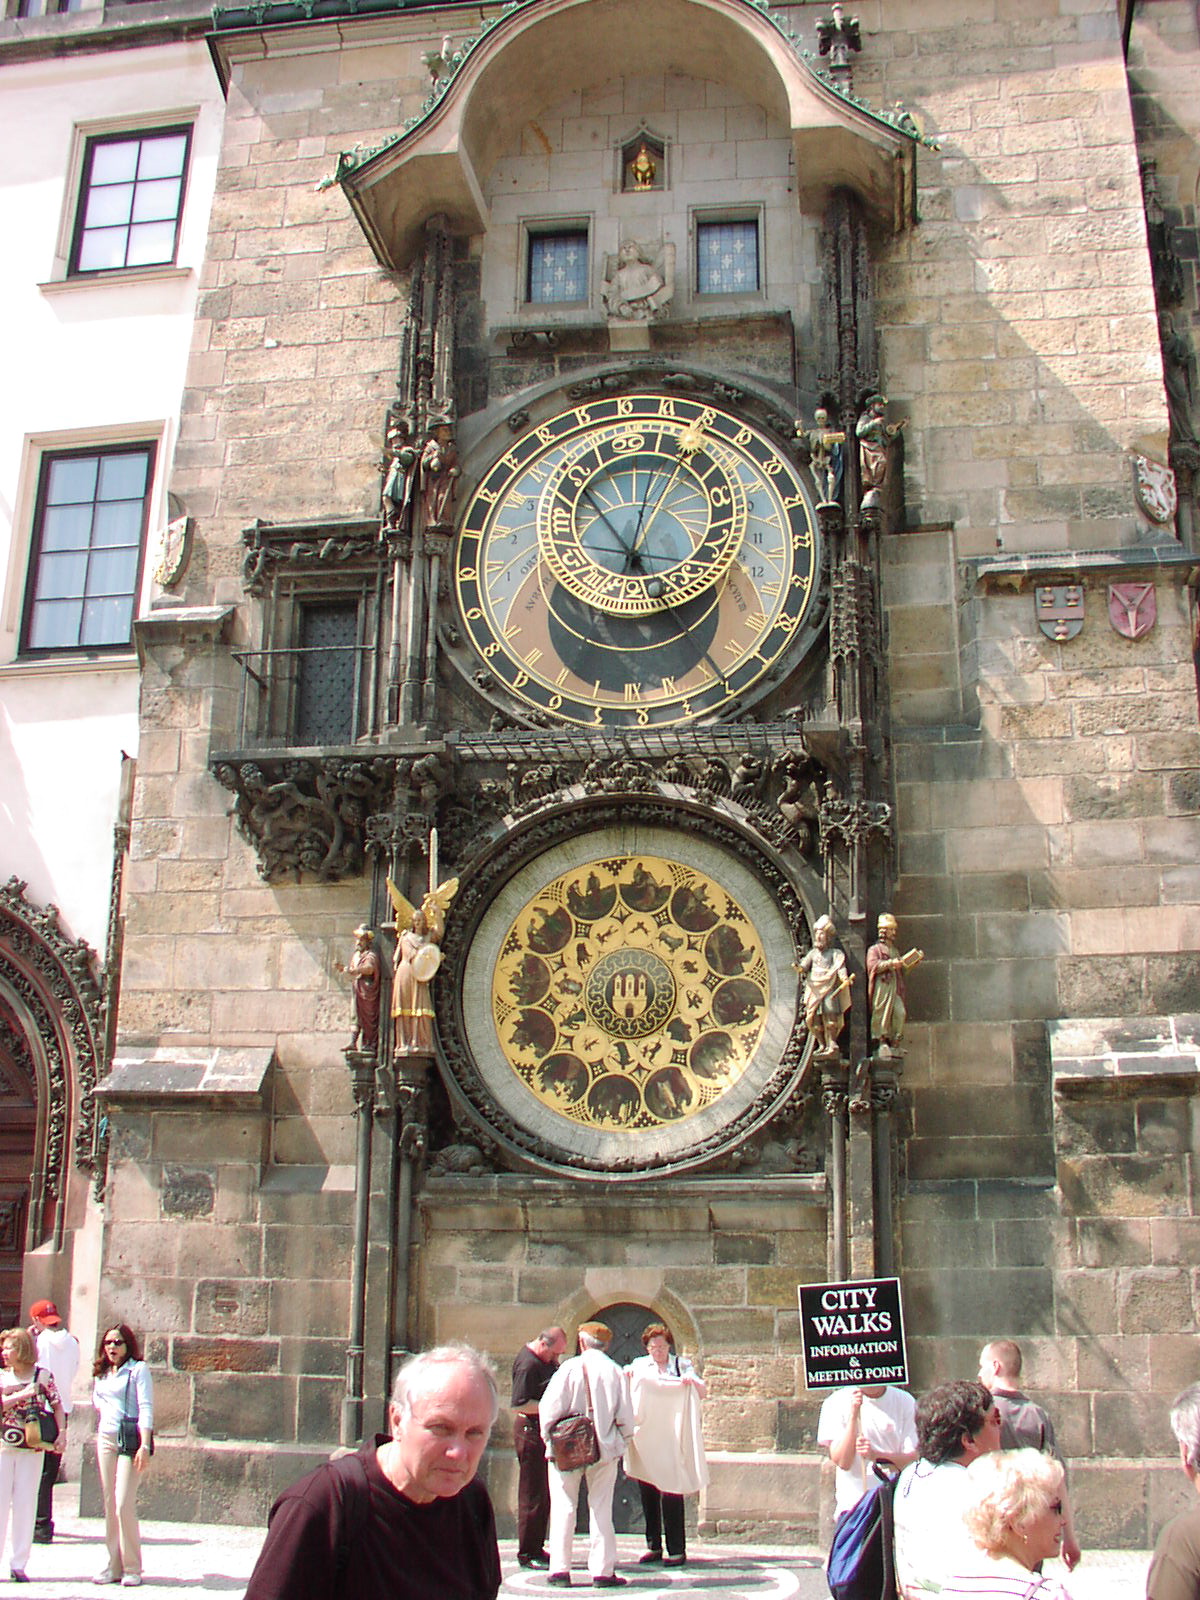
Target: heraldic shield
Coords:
[(1132, 608)]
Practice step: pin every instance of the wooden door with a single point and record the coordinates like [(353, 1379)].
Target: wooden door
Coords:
[(18, 1129)]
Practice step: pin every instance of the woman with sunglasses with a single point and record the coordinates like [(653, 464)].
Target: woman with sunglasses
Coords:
[(1014, 1515), (122, 1388)]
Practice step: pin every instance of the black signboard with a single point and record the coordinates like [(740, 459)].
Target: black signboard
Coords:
[(853, 1333)]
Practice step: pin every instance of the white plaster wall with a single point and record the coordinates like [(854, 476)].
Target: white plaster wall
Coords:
[(724, 154), (86, 362)]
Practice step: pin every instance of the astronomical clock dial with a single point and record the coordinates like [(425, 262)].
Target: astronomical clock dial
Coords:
[(637, 561), (628, 1000)]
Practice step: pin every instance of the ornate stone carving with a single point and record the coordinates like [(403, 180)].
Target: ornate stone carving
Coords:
[(799, 804), (269, 549), (839, 37), (412, 1107), (400, 466), (172, 551), (639, 281), (853, 822), (1154, 490), (878, 443), (834, 1090), (56, 980), (307, 816)]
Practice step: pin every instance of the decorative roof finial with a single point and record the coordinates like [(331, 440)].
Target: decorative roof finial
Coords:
[(839, 38)]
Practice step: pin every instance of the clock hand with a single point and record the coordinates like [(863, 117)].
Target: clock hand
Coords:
[(650, 477), (672, 608), (600, 512), (690, 441)]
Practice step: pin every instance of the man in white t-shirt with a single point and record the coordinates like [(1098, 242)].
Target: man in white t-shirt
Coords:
[(57, 1350), (955, 1423), (861, 1426)]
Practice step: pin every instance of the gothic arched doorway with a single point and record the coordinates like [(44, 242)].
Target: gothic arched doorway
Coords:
[(18, 1138), (50, 1044)]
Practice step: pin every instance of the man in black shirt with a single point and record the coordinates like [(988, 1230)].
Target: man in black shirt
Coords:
[(531, 1372), (405, 1517)]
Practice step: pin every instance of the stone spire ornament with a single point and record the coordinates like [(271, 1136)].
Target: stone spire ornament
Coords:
[(838, 37)]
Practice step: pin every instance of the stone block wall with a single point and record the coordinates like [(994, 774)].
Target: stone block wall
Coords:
[(719, 1261), (237, 1274), (1046, 791), (1017, 321)]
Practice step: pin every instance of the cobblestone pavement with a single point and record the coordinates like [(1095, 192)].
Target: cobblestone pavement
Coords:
[(217, 1561)]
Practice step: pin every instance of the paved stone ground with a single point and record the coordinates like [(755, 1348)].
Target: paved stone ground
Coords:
[(217, 1561)]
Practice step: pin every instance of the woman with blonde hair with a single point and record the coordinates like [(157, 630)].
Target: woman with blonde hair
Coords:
[(26, 1390), (1014, 1514)]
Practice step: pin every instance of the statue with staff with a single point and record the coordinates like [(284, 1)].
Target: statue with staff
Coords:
[(364, 974), (826, 988)]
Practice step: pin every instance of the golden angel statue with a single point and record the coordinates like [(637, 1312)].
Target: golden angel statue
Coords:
[(419, 933)]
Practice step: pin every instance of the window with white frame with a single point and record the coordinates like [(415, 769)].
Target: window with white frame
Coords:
[(727, 256), (557, 266), (130, 200), (89, 533), (47, 8)]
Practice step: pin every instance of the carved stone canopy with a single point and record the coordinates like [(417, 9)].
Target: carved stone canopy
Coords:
[(443, 164)]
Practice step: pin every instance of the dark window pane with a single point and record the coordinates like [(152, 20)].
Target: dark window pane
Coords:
[(325, 686)]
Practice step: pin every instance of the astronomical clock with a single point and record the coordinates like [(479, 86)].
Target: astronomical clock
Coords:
[(640, 561), (638, 581)]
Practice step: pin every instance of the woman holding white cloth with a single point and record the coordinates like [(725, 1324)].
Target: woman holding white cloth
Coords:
[(666, 1454)]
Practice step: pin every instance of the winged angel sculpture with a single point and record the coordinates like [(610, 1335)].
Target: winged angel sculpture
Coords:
[(418, 955)]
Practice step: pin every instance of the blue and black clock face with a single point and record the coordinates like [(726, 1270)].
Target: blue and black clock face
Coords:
[(638, 561)]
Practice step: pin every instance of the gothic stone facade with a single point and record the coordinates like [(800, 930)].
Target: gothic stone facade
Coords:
[(1021, 791)]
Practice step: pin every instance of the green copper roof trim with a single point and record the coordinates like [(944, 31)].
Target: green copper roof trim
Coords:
[(285, 13)]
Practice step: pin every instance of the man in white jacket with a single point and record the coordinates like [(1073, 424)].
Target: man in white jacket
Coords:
[(589, 1384), (59, 1351)]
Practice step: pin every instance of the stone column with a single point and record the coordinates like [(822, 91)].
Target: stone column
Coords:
[(834, 1101), (884, 1092), (361, 1064), (412, 1096)]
